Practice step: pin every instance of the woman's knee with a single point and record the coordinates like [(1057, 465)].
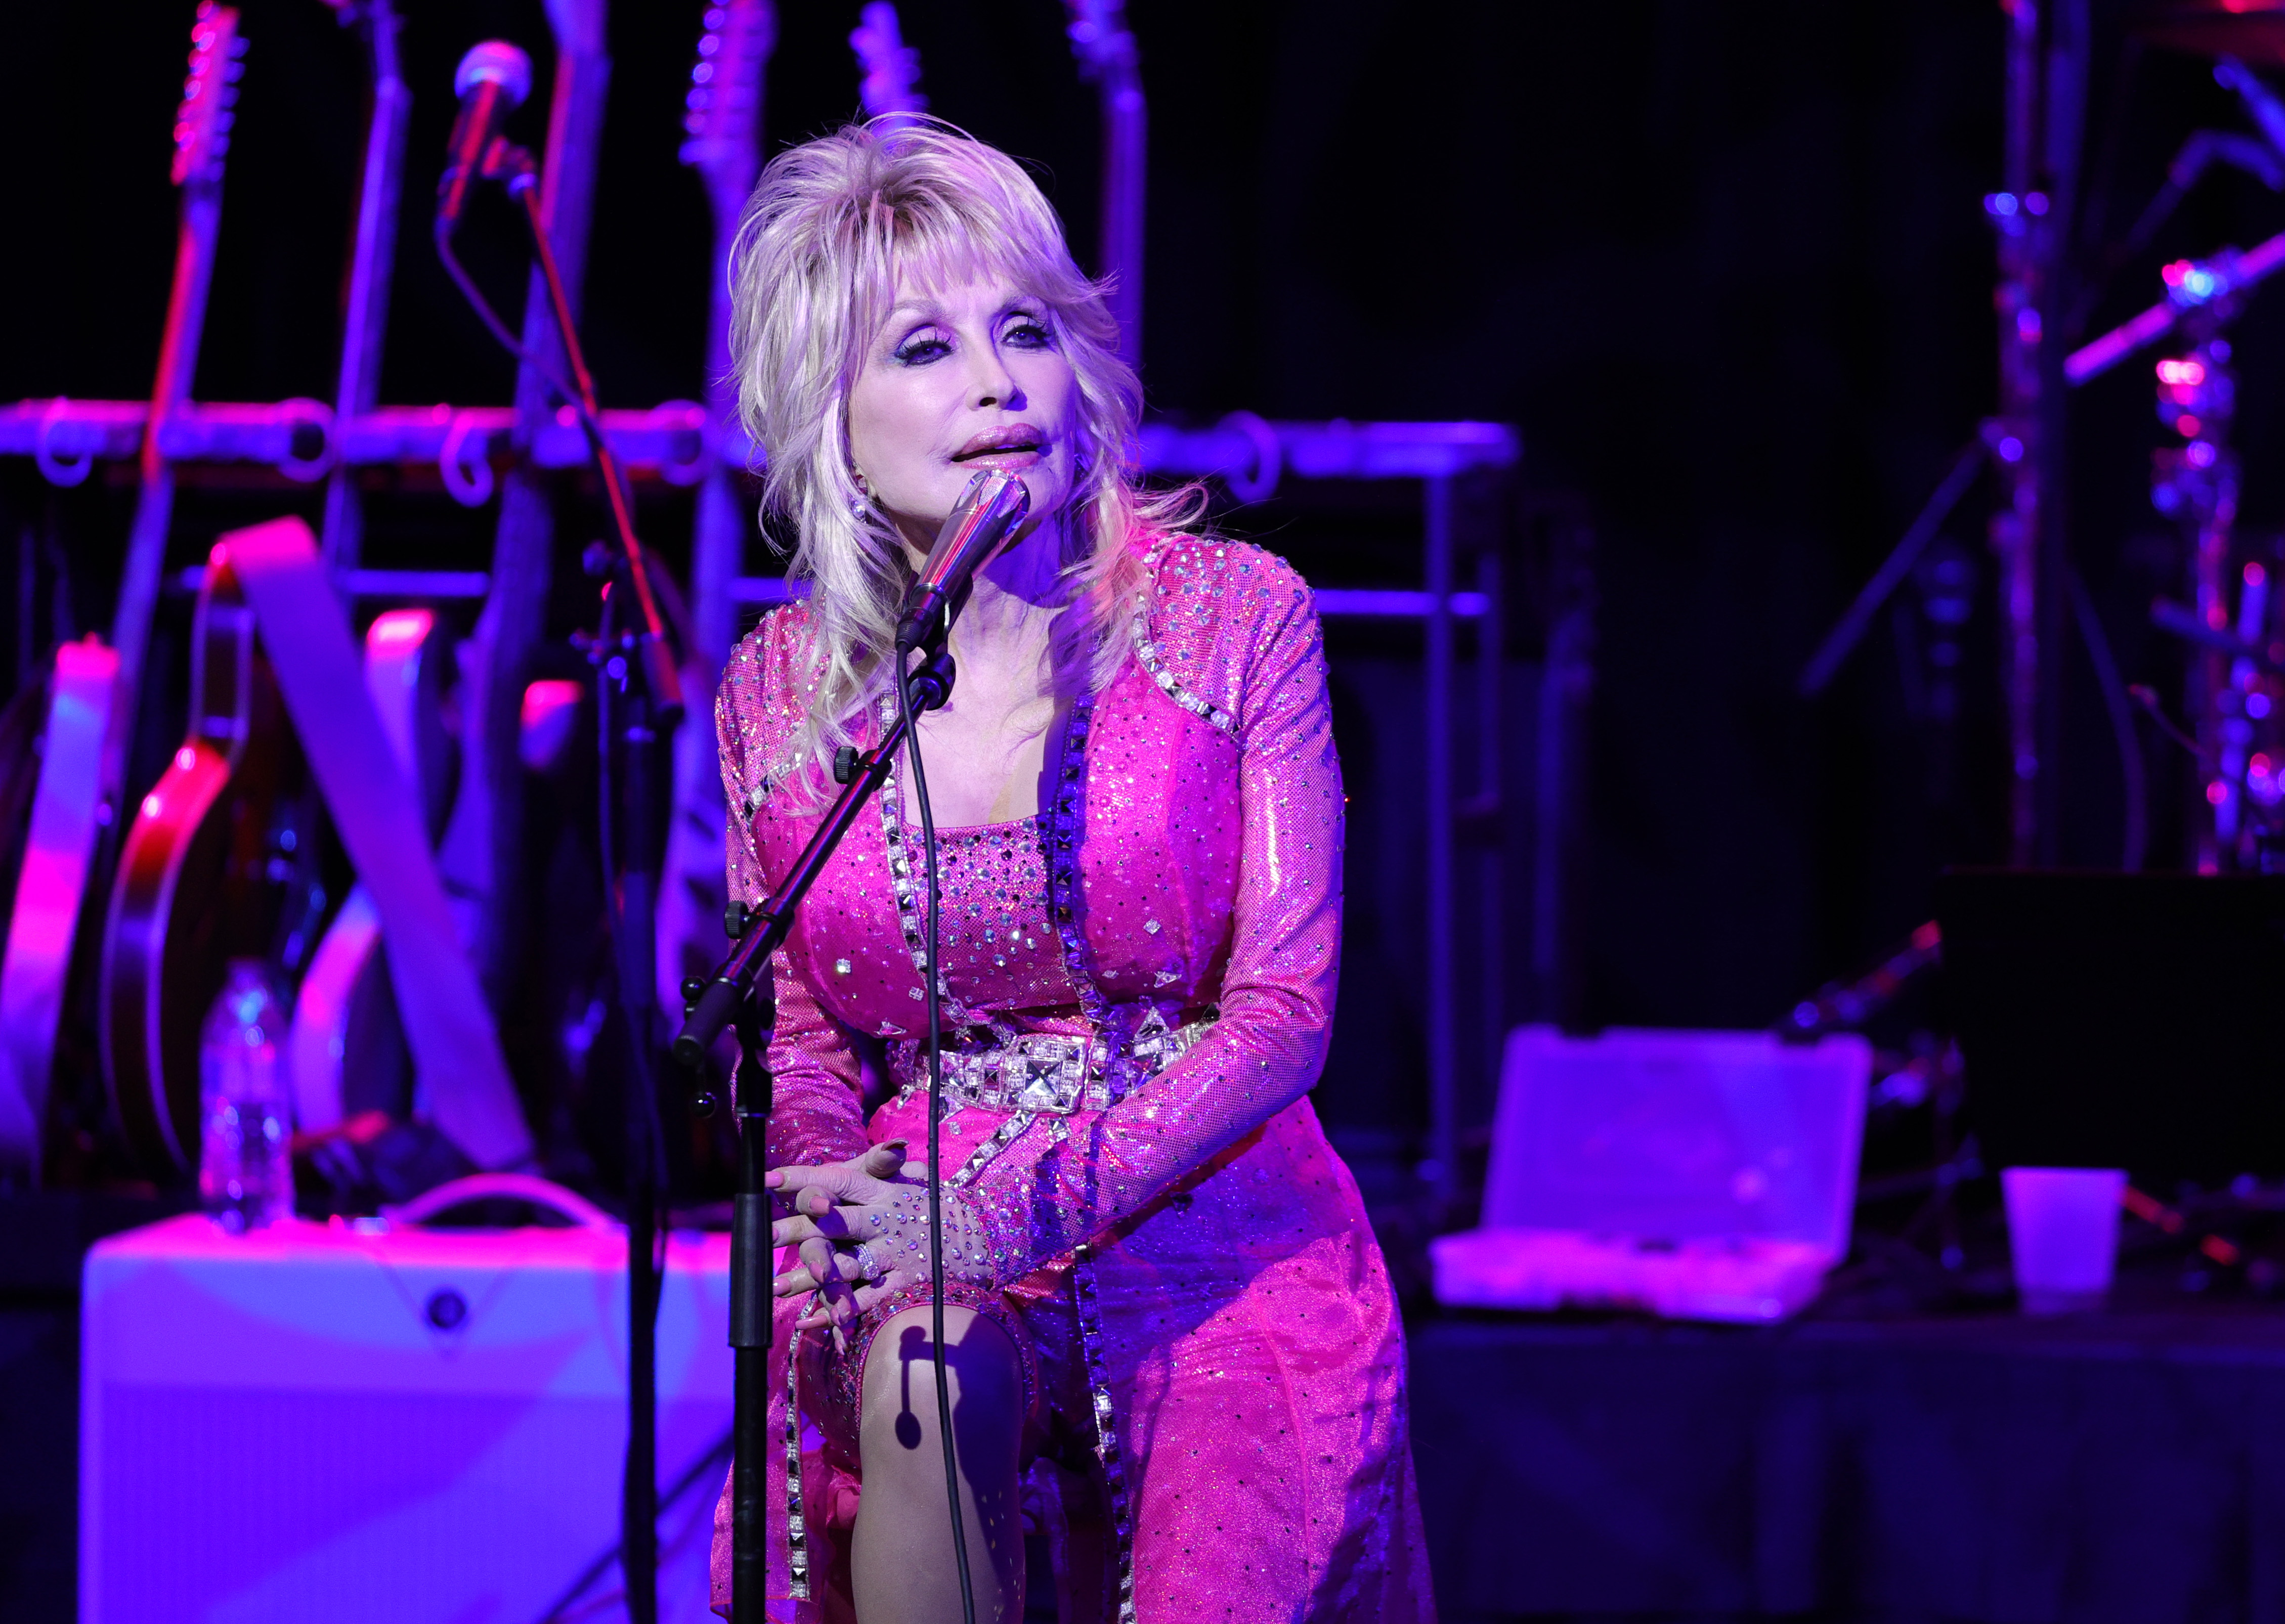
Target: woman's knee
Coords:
[(982, 1369)]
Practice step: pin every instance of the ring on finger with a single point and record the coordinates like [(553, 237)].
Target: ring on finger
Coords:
[(868, 1265)]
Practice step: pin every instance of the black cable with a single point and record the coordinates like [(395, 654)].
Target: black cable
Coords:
[(589, 425), (646, 1158), (935, 1141), (498, 329)]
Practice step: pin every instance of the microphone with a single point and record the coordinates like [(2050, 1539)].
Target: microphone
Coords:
[(993, 504), (492, 82)]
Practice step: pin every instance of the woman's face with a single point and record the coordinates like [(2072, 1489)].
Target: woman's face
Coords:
[(955, 382)]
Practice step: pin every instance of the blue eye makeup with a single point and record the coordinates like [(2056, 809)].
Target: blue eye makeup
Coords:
[(921, 348)]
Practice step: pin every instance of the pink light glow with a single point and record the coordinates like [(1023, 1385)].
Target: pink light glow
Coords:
[(399, 626)]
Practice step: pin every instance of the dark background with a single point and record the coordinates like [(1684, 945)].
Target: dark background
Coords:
[(1726, 267)]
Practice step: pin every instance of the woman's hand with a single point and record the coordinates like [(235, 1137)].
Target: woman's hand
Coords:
[(862, 1227)]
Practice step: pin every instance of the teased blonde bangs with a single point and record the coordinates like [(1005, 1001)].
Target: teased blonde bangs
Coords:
[(836, 227)]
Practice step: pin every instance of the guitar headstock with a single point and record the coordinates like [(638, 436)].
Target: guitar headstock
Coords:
[(202, 124), (892, 69), (1099, 38), (723, 105)]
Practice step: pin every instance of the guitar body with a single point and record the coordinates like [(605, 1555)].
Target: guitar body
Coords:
[(199, 882)]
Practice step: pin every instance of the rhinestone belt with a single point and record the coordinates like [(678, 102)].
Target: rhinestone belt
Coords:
[(1051, 1072)]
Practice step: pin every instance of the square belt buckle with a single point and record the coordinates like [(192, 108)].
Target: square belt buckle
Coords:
[(1050, 1076)]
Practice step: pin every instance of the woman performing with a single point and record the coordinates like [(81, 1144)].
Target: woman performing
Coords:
[(1173, 1346)]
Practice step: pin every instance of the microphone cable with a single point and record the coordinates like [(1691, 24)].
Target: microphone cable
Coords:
[(588, 423), (928, 975)]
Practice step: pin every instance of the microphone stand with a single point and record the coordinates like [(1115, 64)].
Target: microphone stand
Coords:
[(741, 994), (638, 699)]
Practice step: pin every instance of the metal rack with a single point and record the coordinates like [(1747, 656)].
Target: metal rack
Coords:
[(303, 441)]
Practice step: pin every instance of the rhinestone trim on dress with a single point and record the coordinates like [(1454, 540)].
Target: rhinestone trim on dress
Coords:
[(1065, 826), (1147, 651), (797, 1522), (1107, 1448)]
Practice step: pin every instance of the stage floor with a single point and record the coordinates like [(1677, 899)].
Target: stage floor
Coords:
[(1860, 1464), (2126, 1468)]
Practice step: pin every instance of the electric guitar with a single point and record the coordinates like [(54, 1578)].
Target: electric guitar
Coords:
[(51, 889), (90, 721), (201, 139), (204, 878), (723, 126)]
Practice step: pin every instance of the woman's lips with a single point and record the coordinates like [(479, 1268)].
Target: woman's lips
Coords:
[(1011, 460), (1010, 450)]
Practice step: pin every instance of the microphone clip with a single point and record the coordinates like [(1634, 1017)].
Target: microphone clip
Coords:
[(930, 683), (505, 161)]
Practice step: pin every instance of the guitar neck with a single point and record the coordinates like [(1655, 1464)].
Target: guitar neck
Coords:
[(154, 503), (201, 138), (376, 228), (366, 324)]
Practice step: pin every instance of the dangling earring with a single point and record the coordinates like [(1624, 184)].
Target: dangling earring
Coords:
[(861, 506)]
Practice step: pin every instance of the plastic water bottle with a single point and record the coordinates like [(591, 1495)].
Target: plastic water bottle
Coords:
[(245, 1156)]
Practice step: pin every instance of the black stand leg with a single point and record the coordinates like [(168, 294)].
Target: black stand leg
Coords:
[(749, 1310), (629, 760)]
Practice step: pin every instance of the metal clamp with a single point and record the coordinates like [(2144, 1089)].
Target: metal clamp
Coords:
[(56, 469), (470, 486)]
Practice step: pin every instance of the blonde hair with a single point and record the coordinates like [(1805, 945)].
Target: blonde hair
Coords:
[(833, 230)]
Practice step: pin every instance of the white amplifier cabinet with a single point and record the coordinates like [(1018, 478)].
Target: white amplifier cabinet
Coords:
[(409, 1427)]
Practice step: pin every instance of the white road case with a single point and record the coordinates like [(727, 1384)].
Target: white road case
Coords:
[(414, 1427)]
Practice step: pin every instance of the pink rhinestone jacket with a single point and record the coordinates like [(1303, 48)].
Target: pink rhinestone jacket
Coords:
[(1172, 1233)]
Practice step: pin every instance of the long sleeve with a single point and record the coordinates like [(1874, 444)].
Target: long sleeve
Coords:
[(817, 1110), (1063, 1182)]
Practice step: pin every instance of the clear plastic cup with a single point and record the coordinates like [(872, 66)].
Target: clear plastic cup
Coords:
[(2062, 1230)]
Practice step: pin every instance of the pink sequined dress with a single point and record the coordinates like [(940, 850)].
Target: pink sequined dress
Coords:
[(1139, 992)]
